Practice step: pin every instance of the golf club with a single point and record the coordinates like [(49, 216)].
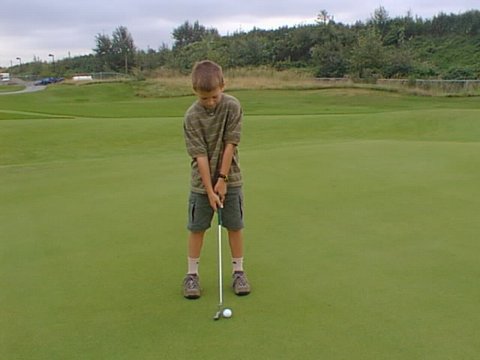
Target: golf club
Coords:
[(218, 314)]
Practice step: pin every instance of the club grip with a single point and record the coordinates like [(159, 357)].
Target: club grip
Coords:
[(219, 215)]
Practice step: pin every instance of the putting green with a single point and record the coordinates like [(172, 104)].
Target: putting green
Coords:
[(361, 237)]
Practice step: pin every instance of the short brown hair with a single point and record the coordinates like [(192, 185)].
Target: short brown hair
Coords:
[(207, 76)]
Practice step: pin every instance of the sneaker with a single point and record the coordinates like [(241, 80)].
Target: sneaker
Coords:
[(191, 286), (240, 283)]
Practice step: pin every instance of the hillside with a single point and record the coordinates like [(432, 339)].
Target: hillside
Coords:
[(444, 47), (451, 56)]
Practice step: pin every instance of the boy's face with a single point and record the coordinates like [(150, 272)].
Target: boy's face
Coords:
[(210, 99)]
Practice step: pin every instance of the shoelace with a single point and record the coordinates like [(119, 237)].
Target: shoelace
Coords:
[(191, 283), (240, 280)]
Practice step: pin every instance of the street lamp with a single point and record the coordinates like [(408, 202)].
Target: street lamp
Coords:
[(19, 60), (53, 61)]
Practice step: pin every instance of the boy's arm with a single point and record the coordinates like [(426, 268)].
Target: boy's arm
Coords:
[(204, 169), (221, 185)]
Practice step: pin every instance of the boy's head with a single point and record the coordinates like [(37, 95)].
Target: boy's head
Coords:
[(208, 83), (207, 76)]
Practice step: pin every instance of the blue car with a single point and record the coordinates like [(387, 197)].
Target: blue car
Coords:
[(48, 80)]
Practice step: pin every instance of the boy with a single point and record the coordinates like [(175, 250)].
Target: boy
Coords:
[(212, 128)]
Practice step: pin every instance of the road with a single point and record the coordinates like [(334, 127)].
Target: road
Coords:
[(29, 88)]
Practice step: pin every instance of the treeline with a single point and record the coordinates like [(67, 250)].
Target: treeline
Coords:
[(446, 46)]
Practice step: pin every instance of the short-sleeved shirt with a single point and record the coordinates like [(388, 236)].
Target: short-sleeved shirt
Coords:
[(206, 131)]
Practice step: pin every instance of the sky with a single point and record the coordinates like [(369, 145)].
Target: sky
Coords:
[(62, 28)]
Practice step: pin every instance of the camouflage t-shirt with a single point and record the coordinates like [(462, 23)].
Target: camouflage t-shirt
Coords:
[(206, 132)]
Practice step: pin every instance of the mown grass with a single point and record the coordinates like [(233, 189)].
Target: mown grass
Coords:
[(361, 236), (9, 88), (110, 100)]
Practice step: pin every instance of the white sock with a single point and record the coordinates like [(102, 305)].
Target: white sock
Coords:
[(237, 264), (193, 265)]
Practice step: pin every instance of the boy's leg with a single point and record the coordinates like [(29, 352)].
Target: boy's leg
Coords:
[(191, 282), (233, 221), (241, 286), (236, 247), (195, 244), (199, 217)]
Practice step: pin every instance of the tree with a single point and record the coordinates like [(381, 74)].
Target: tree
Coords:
[(123, 49), (187, 34), (443, 24), (153, 59), (399, 62), (468, 23), (368, 56), (301, 42), (103, 50), (330, 60), (395, 34), (323, 17), (380, 20), (329, 56), (248, 50), (116, 53)]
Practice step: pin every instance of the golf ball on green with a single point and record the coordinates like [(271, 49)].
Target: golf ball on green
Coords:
[(227, 313)]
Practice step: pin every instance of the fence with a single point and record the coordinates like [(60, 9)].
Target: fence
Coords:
[(109, 76), (447, 86)]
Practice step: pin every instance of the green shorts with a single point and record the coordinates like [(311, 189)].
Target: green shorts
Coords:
[(200, 213)]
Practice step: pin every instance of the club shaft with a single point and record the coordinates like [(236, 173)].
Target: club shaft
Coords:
[(220, 271)]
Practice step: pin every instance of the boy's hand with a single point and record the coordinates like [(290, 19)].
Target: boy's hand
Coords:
[(220, 189), (215, 201)]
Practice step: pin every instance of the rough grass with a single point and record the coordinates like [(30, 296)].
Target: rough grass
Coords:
[(168, 83)]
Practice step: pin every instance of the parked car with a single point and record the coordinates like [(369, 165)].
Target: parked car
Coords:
[(48, 80)]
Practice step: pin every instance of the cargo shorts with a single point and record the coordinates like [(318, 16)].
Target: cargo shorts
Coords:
[(200, 213)]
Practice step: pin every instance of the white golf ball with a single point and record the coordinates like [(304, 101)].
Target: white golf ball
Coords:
[(227, 313)]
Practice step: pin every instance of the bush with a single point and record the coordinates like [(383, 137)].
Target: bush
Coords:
[(464, 73), (425, 71)]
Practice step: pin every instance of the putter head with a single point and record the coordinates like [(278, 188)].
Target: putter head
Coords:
[(218, 315)]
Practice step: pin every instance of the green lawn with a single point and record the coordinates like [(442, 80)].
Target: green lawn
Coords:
[(361, 228), (10, 88)]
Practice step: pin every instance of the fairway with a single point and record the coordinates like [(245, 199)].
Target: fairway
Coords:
[(361, 228)]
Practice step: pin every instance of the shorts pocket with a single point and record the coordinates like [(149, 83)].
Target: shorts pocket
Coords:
[(240, 205), (191, 210)]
